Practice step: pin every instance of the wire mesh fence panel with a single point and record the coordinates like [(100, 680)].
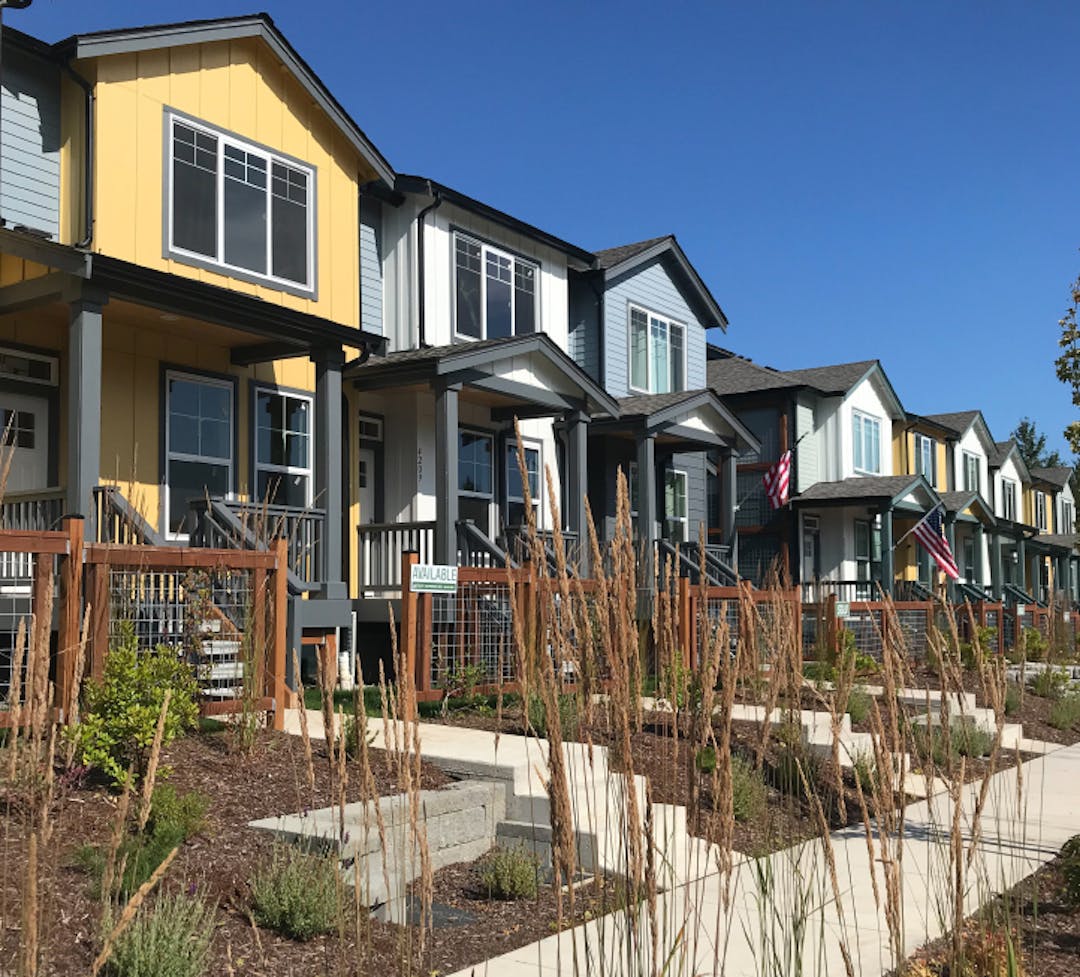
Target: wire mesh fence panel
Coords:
[(205, 615), (865, 626), (720, 612), (472, 635), (912, 623), (813, 629), (1008, 630), (16, 605), (573, 632)]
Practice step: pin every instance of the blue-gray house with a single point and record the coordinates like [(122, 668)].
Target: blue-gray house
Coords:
[(638, 321)]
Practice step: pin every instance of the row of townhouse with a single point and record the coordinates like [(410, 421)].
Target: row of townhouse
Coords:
[(865, 471), (217, 296)]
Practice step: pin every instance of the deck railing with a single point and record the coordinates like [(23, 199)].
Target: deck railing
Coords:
[(117, 521), (379, 550), (33, 511)]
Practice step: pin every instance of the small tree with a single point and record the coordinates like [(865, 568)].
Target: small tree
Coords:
[(1068, 363), (1032, 445)]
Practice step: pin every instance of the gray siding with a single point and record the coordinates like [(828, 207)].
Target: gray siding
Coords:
[(585, 326), (696, 497), (30, 142), (371, 279), (652, 288)]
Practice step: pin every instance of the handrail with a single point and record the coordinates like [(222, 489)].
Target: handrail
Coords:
[(472, 541), (1017, 595), (969, 591), (39, 510), (379, 549), (118, 521), (518, 543), (717, 570)]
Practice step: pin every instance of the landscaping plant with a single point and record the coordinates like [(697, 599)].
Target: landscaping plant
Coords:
[(1065, 713), (170, 938), (510, 873), (296, 893), (1049, 682), (1070, 869)]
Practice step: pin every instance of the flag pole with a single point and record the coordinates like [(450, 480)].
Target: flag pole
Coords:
[(918, 524)]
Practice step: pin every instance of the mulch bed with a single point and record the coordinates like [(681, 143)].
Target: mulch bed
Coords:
[(218, 862), (1048, 926)]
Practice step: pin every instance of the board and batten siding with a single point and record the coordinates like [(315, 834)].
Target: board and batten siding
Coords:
[(807, 466), (652, 288), (30, 143), (371, 280), (585, 308)]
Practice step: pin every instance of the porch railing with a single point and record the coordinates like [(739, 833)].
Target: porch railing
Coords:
[(32, 511), (718, 569), (221, 524), (117, 521), (476, 549), (848, 591), (379, 550)]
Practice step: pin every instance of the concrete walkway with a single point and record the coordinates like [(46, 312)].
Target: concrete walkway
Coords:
[(1030, 812)]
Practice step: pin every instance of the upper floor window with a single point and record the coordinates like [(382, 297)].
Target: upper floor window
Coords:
[(1068, 520), (926, 458), (495, 292), (657, 353), (1008, 499), (866, 434), (972, 480), (1040, 510), (239, 208)]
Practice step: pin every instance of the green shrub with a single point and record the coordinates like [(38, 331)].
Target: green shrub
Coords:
[(679, 685), (818, 671), (171, 938), (858, 704), (296, 893), (866, 664), (864, 770), (178, 815), (1065, 712), (965, 739), (462, 683), (1050, 683), (1012, 699), (1034, 644), (1070, 869), (352, 729), (569, 720), (118, 725), (748, 794), (970, 740), (510, 873), (793, 766)]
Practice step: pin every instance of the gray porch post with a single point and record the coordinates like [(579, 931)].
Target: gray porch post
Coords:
[(996, 568), (84, 405), (446, 473), (646, 466), (577, 466), (729, 499), (950, 538), (887, 571), (329, 448), (1021, 563), (978, 555)]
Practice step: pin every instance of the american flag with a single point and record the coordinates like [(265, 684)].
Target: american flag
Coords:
[(777, 480), (928, 531)]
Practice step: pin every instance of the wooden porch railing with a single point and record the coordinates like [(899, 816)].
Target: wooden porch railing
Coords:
[(380, 549)]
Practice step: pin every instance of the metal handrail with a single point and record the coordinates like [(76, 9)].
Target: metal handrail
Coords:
[(473, 543), (117, 521)]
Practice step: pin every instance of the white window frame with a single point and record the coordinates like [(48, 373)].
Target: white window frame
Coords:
[(511, 458), (679, 474), (261, 466), (218, 263), (650, 366), (1040, 510), (515, 260), (922, 442), (1068, 521), (1008, 499), (171, 455), (970, 459), (52, 361), (859, 421)]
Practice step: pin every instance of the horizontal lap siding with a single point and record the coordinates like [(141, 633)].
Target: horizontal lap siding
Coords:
[(30, 143), (696, 509)]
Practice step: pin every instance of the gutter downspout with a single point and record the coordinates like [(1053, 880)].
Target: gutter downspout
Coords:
[(88, 167), (420, 310)]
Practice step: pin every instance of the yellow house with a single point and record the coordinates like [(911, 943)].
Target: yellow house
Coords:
[(180, 290)]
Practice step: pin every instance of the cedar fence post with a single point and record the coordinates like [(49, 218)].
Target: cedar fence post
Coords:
[(832, 637), (686, 624), (260, 649), (408, 657), (98, 594), (70, 617), (276, 677)]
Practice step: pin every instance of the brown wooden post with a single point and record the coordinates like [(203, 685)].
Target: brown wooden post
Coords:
[(785, 555), (832, 638), (98, 595), (686, 624), (409, 559), (260, 650), (276, 677), (70, 616)]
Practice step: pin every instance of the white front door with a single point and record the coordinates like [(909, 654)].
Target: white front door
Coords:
[(366, 479), (24, 432)]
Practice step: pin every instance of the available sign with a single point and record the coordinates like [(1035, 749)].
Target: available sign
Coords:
[(843, 608), (433, 578)]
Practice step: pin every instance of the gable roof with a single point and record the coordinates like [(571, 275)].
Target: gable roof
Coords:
[(838, 378), (957, 502), (958, 422), (133, 39), (622, 260), (1002, 450), (1058, 475), (889, 489), (736, 375)]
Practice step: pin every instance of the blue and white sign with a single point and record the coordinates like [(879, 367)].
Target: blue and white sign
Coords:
[(433, 578)]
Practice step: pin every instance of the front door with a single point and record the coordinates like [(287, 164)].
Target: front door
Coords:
[(24, 427), (366, 482)]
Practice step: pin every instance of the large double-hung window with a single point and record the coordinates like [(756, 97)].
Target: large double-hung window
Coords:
[(1008, 499), (657, 352), (283, 448), (239, 208), (1040, 510), (926, 458), (866, 443), (972, 476), (495, 292), (198, 443)]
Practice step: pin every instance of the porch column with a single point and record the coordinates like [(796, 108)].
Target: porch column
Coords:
[(1021, 563), (887, 571), (646, 466), (950, 538), (728, 489), (577, 467), (978, 532), (997, 577), (446, 473), (84, 405), (329, 448)]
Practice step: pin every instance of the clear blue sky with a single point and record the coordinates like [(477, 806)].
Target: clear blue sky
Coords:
[(852, 179)]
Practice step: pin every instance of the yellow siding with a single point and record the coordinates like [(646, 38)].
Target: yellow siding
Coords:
[(239, 86), (901, 449), (942, 467)]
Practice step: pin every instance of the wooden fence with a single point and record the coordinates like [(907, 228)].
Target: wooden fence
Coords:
[(224, 609)]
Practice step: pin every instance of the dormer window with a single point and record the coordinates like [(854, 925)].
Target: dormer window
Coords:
[(238, 208), (866, 443), (657, 352), (495, 292)]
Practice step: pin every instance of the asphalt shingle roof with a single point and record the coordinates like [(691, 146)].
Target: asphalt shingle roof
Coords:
[(958, 422), (858, 488), (610, 257), (735, 375), (840, 377), (645, 404), (1000, 452), (1059, 475), (1069, 540)]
